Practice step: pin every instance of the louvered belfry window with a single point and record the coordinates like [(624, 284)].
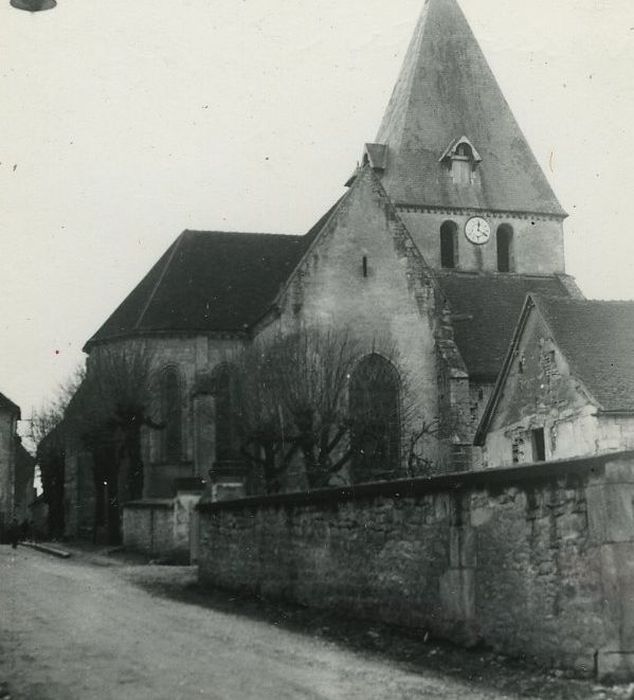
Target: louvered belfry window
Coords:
[(449, 245), (505, 248)]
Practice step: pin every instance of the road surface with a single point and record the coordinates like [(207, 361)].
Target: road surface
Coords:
[(74, 629)]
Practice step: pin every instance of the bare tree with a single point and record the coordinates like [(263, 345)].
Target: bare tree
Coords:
[(106, 416), (292, 404), (320, 400), (419, 461), (47, 432)]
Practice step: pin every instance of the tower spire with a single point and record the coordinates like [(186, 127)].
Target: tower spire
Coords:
[(447, 95)]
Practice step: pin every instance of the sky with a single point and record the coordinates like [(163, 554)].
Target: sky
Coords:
[(123, 123)]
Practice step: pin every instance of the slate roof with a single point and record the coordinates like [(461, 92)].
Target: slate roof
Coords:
[(447, 90), (209, 281), (597, 339), (7, 405), (485, 309)]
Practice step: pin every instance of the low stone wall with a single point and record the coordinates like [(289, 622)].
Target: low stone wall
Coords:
[(163, 527), (535, 561), (148, 526)]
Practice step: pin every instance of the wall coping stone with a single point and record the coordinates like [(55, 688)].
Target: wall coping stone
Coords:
[(158, 503), (492, 479)]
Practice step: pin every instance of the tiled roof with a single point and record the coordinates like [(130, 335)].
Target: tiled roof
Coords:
[(485, 310), (7, 405), (209, 281), (597, 339), (446, 90)]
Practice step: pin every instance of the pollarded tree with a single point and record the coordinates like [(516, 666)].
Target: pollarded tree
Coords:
[(316, 399), (106, 416), (292, 404), (48, 434)]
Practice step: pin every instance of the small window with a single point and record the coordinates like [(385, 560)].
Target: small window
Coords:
[(517, 449), (539, 445), (449, 245), (365, 265), (505, 248), (464, 150)]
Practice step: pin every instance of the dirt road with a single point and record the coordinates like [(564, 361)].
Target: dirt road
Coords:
[(71, 629)]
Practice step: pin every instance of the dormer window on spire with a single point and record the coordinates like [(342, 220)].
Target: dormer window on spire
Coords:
[(462, 159), (375, 155)]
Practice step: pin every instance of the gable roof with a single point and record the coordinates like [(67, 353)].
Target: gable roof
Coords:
[(208, 281), (7, 405), (447, 90), (597, 339), (485, 308)]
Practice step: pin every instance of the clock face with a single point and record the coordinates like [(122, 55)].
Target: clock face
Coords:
[(477, 230)]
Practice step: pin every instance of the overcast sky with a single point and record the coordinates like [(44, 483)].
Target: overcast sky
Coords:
[(122, 123)]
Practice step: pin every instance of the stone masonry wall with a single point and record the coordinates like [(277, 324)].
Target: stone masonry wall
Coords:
[(148, 526), (533, 561), (161, 527), (538, 243), (193, 357), (364, 276)]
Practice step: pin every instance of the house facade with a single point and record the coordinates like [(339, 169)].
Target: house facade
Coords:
[(446, 225), (9, 417), (567, 385)]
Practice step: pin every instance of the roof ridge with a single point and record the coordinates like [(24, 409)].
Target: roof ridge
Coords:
[(207, 281), (496, 273), (407, 75), (161, 277), (587, 302), (244, 233)]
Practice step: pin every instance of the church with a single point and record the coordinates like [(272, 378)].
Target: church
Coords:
[(446, 225)]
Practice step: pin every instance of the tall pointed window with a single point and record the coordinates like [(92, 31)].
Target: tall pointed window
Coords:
[(449, 244), (505, 248), (224, 379), (171, 414), (374, 410)]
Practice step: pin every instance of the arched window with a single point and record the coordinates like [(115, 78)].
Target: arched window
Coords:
[(449, 244), (171, 414), (464, 150), (505, 248), (374, 410), (224, 389)]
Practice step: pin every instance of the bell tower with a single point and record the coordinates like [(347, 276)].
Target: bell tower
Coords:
[(456, 164)]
